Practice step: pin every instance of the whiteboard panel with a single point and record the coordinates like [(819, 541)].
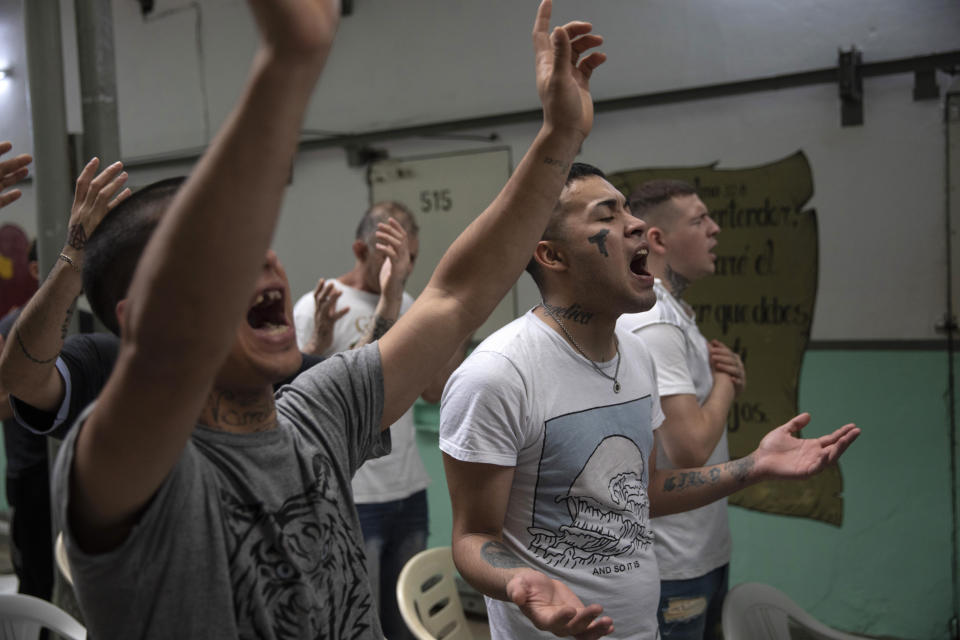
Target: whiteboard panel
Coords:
[(445, 193)]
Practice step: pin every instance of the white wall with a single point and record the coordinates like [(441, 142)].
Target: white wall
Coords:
[(878, 188)]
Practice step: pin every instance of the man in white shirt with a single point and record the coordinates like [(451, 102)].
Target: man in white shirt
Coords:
[(550, 437), (391, 491), (697, 381)]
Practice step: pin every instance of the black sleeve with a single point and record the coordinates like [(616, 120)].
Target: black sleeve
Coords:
[(89, 359)]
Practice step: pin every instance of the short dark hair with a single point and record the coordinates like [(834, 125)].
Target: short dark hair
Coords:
[(114, 248), (652, 193), (381, 212), (578, 171), (32, 251)]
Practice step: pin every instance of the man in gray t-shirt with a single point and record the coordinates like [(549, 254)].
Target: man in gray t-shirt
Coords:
[(194, 503), (271, 499)]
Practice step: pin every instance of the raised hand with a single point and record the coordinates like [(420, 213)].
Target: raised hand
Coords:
[(12, 171), (95, 195), (551, 606), (563, 77), (297, 29), (325, 316), (783, 455), (725, 360), (396, 268)]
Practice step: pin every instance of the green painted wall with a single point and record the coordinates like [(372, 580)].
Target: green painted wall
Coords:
[(887, 570)]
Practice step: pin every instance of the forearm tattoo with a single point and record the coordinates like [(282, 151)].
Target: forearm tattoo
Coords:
[(560, 164), (677, 283), (681, 480), (375, 330), (29, 355), (65, 327), (497, 555), (600, 239), (77, 237), (574, 312)]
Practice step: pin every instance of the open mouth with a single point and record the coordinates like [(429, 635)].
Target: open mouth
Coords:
[(638, 266), (268, 311)]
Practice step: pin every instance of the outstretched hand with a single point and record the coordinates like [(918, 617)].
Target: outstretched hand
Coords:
[(95, 195), (783, 455), (12, 171), (551, 606), (325, 316), (724, 360), (563, 77), (396, 268)]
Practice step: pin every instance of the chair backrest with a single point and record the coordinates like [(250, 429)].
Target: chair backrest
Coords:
[(753, 611), (22, 617), (428, 597)]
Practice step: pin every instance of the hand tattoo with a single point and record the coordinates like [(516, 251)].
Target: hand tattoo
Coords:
[(600, 239), (77, 237), (497, 555)]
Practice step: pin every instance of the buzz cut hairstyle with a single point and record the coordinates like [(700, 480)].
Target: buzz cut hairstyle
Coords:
[(646, 198), (115, 246), (381, 212)]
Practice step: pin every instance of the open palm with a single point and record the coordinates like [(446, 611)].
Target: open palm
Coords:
[(563, 78), (781, 454)]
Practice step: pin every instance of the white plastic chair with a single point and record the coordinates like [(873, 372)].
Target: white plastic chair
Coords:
[(755, 611), (22, 617), (428, 597), (60, 554)]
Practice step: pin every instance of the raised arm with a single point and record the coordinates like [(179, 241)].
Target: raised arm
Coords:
[(27, 366), (12, 171), (479, 495), (196, 278), (488, 257), (781, 454)]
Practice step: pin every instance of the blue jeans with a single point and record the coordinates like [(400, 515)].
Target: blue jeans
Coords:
[(690, 609), (393, 532)]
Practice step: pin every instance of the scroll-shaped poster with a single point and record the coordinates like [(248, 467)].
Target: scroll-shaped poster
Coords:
[(760, 303)]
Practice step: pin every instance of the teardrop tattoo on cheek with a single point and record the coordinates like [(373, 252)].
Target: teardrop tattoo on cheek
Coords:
[(600, 239)]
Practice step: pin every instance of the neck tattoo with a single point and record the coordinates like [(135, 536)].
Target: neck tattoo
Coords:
[(550, 311), (677, 283)]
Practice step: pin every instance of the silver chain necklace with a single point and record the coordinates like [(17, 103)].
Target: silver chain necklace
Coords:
[(616, 371)]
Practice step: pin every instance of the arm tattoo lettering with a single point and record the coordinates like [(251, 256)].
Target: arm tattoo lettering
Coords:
[(600, 239), (29, 355), (497, 555), (677, 283), (685, 480), (77, 237), (574, 312)]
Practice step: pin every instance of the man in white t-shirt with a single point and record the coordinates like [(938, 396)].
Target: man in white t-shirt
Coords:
[(390, 491), (697, 381), (550, 437)]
